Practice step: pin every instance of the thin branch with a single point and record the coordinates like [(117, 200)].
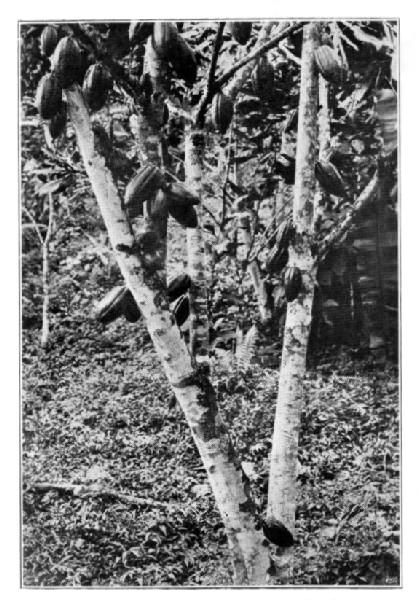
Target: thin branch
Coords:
[(34, 224), (209, 92), (366, 196)]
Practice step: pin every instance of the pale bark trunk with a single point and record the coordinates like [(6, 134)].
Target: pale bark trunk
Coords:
[(198, 293), (45, 274), (282, 481), (192, 387), (324, 136)]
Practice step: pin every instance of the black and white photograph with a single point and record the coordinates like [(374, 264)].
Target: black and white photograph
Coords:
[(209, 241)]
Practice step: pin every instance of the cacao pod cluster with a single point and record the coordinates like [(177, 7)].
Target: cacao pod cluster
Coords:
[(328, 64), (222, 112), (117, 303), (240, 31), (262, 79), (329, 178), (292, 283), (96, 86), (285, 166), (169, 44)]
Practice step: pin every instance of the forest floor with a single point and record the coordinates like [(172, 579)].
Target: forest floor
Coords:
[(134, 506)]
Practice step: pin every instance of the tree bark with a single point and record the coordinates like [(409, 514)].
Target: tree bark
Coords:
[(191, 386), (198, 294), (282, 481)]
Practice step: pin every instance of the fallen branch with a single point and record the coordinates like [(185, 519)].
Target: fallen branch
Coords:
[(85, 491)]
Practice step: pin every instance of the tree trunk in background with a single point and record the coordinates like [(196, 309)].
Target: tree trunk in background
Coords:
[(194, 145), (45, 274), (324, 137), (282, 480), (191, 386)]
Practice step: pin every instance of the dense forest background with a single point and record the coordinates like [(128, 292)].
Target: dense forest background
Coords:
[(114, 490)]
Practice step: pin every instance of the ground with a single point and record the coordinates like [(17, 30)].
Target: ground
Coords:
[(98, 414)]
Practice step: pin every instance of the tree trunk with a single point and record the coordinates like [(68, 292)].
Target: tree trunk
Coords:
[(191, 386), (45, 274), (282, 481), (324, 136), (198, 293)]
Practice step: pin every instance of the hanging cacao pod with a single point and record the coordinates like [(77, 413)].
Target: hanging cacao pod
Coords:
[(222, 112), (285, 167), (142, 186), (164, 39), (48, 98), (183, 213), (130, 308), (285, 234), (181, 310), (49, 40), (329, 178), (111, 306), (96, 85), (179, 192), (277, 533), (262, 79), (178, 286), (240, 31), (183, 61), (58, 122), (66, 62), (328, 65), (157, 206), (292, 283), (139, 31)]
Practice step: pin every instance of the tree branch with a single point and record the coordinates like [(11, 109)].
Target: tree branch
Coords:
[(209, 92), (366, 196)]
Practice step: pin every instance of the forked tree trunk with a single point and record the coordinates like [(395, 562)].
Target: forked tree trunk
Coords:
[(191, 386), (282, 480), (198, 294)]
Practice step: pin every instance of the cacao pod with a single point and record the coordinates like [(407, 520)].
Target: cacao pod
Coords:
[(178, 286), (112, 305), (240, 31), (181, 310), (130, 308), (58, 122), (142, 186), (183, 61), (96, 85), (285, 234), (292, 283), (222, 112), (164, 39), (277, 260), (285, 167), (262, 79), (139, 31), (66, 62), (277, 533), (329, 178), (48, 98), (179, 192), (49, 40), (157, 206), (184, 214), (328, 65)]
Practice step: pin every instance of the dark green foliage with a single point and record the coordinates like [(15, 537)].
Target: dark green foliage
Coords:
[(183, 213), (58, 122), (285, 167)]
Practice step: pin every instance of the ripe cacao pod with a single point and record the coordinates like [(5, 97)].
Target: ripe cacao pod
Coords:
[(285, 167), (262, 79), (329, 178), (277, 533), (292, 283), (112, 305), (179, 192), (328, 65), (66, 62), (130, 308), (58, 122), (143, 185), (222, 112), (157, 206), (178, 286), (181, 310), (96, 85), (49, 40), (48, 98), (240, 31), (139, 31)]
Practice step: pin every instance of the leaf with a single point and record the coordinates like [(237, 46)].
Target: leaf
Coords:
[(50, 187)]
